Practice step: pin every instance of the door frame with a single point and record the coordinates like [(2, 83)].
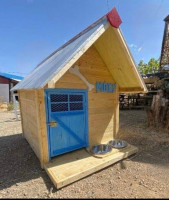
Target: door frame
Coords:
[(46, 92)]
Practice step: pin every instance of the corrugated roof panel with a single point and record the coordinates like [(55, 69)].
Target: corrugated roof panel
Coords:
[(43, 73)]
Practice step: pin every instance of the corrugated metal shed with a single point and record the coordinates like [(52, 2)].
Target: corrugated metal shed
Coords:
[(11, 76), (48, 68)]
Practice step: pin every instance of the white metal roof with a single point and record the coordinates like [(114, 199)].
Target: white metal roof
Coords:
[(52, 65)]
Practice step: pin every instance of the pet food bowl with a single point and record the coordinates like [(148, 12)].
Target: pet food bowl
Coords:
[(118, 144), (101, 149)]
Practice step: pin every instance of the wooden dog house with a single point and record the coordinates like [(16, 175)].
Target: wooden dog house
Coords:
[(70, 101)]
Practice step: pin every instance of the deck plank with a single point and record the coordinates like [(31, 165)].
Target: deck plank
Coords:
[(76, 165)]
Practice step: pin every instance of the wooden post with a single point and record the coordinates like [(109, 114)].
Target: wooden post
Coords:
[(157, 115)]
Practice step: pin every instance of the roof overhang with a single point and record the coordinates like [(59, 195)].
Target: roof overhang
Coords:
[(114, 51), (111, 46)]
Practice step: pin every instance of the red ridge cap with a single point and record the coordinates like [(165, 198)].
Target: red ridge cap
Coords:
[(114, 18)]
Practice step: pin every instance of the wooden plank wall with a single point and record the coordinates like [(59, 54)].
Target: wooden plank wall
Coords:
[(103, 107), (32, 106), (30, 122)]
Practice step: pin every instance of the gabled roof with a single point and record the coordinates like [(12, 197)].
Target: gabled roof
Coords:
[(54, 66), (11, 76)]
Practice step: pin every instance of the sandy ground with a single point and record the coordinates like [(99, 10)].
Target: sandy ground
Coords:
[(145, 175)]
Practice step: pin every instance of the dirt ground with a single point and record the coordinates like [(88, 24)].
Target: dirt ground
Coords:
[(144, 175)]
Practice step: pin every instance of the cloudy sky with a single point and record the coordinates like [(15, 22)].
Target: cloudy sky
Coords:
[(32, 29)]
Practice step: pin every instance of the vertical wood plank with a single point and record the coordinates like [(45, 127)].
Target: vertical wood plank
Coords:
[(39, 126), (43, 127)]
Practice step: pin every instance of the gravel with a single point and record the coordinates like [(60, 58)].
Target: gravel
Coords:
[(144, 175)]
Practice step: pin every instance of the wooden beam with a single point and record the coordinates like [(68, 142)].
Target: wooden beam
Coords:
[(131, 90), (43, 128), (37, 110), (51, 84), (116, 113)]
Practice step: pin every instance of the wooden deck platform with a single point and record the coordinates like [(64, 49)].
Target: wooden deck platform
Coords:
[(73, 166)]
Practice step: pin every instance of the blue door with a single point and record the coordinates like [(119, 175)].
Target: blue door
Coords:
[(67, 120)]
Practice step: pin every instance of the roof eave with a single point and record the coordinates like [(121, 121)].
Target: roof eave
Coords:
[(138, 75)]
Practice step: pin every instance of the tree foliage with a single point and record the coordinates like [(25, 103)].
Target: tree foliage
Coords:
[(150, 67)]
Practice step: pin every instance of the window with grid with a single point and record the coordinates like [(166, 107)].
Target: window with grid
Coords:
[(65, 102)]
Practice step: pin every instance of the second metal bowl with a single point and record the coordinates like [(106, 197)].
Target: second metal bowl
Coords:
[(118, 144), (101, 149)]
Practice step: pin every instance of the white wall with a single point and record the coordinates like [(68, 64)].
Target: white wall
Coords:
[(4, 92)]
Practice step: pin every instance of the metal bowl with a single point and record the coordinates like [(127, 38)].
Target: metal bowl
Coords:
[(118, 144), (101, 149)]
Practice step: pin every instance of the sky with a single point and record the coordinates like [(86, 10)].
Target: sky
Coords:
[(30, 30)]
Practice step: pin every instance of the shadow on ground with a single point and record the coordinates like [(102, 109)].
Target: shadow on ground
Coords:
[(18, 162)]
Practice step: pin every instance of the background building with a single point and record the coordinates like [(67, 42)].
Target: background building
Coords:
[(7, 81)]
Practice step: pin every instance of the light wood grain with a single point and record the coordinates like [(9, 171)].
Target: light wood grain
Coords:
[(43, 126), (71, 167), (30, 120), (115, 53), (94, 69)]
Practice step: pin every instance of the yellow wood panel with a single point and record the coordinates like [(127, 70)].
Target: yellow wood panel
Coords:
[(43, 128), (38, 116), (71, 167), (130, 90), (101, 110), (31, 136), (112, 50), (116, 114), (29, 110), (70, 85), (30, 120), (28, 94), (94, 69), (31, 127), (33, 143)]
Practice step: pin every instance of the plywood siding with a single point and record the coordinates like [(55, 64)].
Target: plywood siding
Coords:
[(30, 120), (103, 107)]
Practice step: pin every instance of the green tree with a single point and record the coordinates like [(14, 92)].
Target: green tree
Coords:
[(150, 67)]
